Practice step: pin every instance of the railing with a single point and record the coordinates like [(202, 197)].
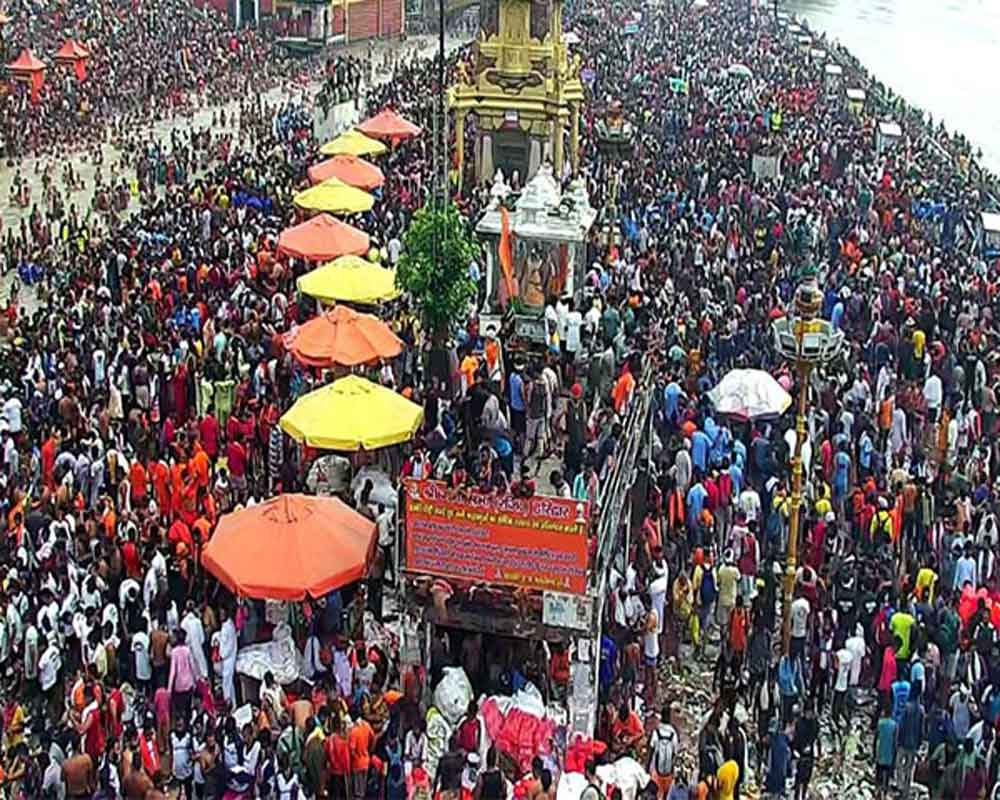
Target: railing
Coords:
[(613, 505)]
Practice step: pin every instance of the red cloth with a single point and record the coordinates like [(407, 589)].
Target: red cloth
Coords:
[(524, 736), (581, 751)]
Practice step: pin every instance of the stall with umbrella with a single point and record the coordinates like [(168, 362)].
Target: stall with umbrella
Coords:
[(750, 394), (352, 414), (350, 279), (322, 238), (334, 197), (389, 126), (29, 69), (75, 55), (353, 143), (341, 337), (351, 170), (290, 547)]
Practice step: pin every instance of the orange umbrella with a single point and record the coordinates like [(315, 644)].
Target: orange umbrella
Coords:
[(351, 170), (322, 238), (342, 337), (289, 547), (387, 124)]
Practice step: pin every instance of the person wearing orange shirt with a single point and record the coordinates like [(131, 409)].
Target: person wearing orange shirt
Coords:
[(200, 466), (202, 532), (177, 489), (109, 520), (210, 511), (137, 477), (468, 369), (626, 731), (338, 758), (49, 450), (360, 742), (180, 533), (159, 476), (623, 389)]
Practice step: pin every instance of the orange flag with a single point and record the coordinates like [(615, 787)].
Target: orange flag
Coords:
[(506, 254)]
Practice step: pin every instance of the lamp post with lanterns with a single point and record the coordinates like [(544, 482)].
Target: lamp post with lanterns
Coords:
[(807, 341)]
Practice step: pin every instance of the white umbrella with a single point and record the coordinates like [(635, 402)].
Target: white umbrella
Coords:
[(750, 394), (740, 71), (571, 37)]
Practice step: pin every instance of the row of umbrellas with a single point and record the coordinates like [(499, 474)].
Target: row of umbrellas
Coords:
[(321, 543), (341, 184)]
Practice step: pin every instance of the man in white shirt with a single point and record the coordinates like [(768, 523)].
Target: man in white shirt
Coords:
[(592, 320), (750, 504), (800, 625), (31, 653), (49, 666), (11, 456), (844, 658), (140, 654), (933, 396), (574, 323), (395, 248), (12, 413), (15, 626), (227, 655), (195, 633), (562, 312)]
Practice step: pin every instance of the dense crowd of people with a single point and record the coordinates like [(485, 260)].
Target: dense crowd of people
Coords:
[(147, 61), (142, 389)]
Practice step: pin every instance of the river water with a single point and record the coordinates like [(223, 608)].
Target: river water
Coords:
[(938, 54)]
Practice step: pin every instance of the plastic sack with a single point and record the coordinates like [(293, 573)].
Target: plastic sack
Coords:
[(571, 786), (452, 695), (627, 774)]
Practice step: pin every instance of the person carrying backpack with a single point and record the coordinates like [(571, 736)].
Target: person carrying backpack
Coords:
[(662, 749)]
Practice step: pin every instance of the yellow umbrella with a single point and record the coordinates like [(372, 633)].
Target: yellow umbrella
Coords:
[(353, 143), (352, 414), (350, 279), (334, 196)]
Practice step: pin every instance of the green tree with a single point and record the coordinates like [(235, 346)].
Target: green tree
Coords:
[(433, 268)]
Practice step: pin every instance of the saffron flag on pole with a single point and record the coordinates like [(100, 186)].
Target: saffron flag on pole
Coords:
[(506, 255)]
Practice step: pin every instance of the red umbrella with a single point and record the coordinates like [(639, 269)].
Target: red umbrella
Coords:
[(387, 124), (323, 238), (342, 337)]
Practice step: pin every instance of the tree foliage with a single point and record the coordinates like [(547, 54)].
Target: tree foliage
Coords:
[(438, 248)]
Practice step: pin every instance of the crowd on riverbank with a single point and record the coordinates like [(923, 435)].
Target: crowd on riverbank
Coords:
[(147, 62), (117, 650)]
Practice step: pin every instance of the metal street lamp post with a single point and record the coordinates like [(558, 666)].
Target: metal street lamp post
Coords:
[(807, 341)]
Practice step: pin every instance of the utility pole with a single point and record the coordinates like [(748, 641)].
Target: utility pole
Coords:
[(442, 112)]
